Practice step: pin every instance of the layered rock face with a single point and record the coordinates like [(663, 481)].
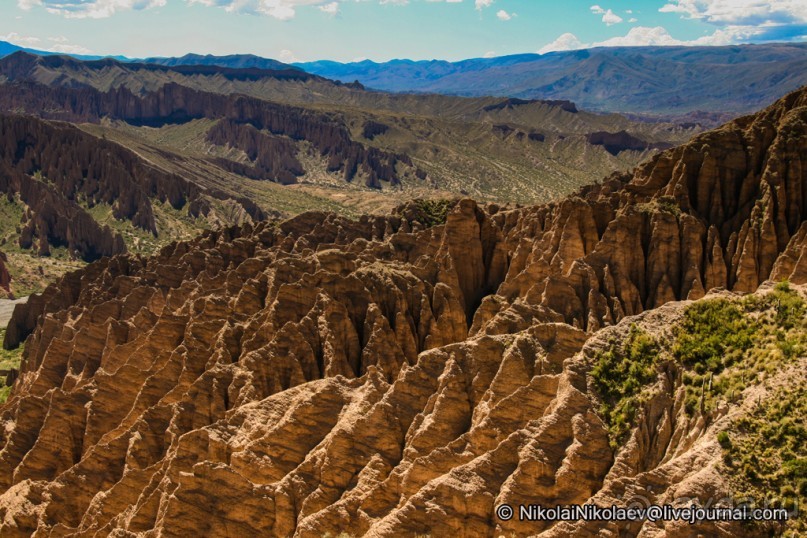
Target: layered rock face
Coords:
[(275, 158), (385, 378)]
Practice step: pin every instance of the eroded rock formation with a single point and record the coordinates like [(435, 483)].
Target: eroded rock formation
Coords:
[(5, 278), (173, 103), (59, 172), (726, 210), (272, 157), (514, 102), (384, 378)]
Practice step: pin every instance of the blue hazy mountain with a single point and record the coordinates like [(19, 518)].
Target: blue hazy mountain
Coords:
[(705, 84), (234, 61), (7, 49), (650, 80)]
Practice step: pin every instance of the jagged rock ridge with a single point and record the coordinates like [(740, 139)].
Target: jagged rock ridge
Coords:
[(379, 377), (23, 66), (173, 103)]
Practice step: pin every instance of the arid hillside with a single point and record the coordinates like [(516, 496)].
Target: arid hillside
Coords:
[(407, 374), (155, 154), (490, 148)]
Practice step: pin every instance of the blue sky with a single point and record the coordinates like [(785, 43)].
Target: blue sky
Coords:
[(346, 30)]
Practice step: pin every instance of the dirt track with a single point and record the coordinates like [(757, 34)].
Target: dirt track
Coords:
[(7, 307)]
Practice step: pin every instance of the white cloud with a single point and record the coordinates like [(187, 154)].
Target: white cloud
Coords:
[(611, 18), (504, 16), (567, 41), (773, 20), (51, 44), (633, 19), (608, 16), (640, 36), (286, 56), (285, 9), (20, 40), (489, 54), (740, 12), (330, 9), (95, 9), (280, 9), (68, 49)]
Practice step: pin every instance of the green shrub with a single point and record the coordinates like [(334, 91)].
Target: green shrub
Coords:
[(725, 345), (435, 211), (620, 373), (771, 444), (711, 334)]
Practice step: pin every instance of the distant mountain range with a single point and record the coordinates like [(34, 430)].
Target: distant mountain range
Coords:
[(235, 61), (7, 48), (160, 152), (708, 85), (644, 80)]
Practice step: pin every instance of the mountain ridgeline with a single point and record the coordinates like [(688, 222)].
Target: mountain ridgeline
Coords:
[(235, 61), (674, 81), (203, 141), (406, 374), (173, 103)]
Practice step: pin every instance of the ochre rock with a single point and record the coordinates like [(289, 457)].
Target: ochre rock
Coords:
[(382, 377)]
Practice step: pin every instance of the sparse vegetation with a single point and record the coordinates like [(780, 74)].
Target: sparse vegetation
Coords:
[(30, 273), (726, 345), (435, 211), (664, 204), (766, 457), (8, 360), (620, 373), (172, 225), (722, 346)]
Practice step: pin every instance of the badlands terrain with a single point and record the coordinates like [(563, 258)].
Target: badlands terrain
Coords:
[(641, 340)]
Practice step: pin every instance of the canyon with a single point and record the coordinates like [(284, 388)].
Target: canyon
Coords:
[(105, 157), (406, 374)]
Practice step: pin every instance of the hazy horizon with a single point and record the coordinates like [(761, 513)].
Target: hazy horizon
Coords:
[(382, 30)]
